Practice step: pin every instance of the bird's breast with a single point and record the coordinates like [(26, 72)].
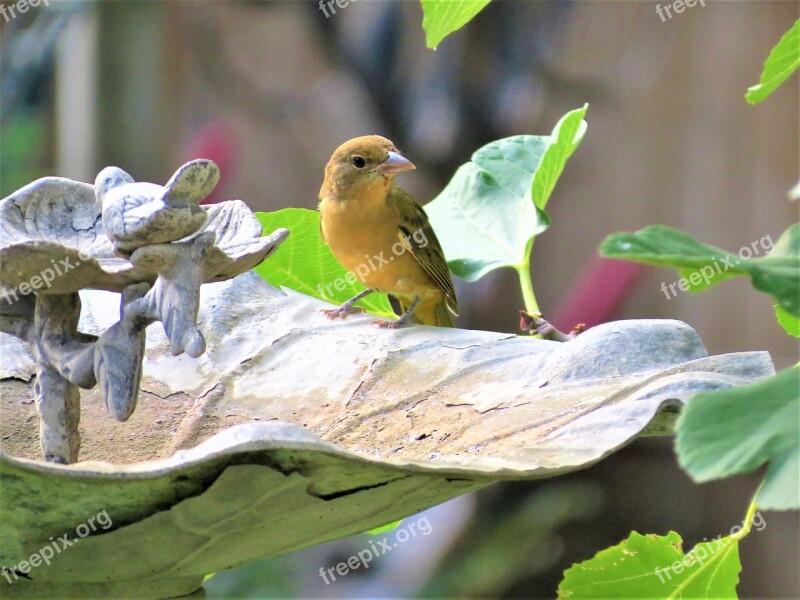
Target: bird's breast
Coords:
[(355, 233), (366, 242)]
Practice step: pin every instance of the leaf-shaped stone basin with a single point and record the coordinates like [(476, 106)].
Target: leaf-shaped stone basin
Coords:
[(55, 223), (374, 425)]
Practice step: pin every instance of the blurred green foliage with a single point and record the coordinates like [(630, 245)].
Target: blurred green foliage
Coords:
[(21, 151)]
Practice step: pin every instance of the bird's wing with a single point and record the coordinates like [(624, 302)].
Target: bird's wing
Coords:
[(321, 229), (193, 181), (416, 234)]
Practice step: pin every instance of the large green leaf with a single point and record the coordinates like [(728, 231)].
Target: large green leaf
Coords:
[(735, 431), (440, 18), (780, 64), (654, 566), (564, 140), (303, 262), (789, 322), (701, 265), (486, 217)]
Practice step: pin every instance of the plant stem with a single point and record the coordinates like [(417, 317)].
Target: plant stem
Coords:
[(748, 518), (526, 284)]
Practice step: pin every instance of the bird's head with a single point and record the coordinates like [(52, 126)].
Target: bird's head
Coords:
[(361, 164), (107, 179)]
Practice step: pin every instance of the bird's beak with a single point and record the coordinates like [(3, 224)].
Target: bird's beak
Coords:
[(396, 163)]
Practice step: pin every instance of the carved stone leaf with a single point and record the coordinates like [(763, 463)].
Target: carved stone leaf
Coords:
[(47, 225), (54, 223), (232, 222), (377, 424), (238, 247), (54, 209)]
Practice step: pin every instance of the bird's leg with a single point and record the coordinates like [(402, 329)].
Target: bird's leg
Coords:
[(403, 318), (347, 308)]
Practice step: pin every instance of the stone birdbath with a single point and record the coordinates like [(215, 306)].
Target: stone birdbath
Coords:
[(290, 430)]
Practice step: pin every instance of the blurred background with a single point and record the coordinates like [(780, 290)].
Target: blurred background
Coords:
[(269, 89)]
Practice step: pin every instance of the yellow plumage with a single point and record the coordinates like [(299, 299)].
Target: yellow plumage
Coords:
[(379, 232)]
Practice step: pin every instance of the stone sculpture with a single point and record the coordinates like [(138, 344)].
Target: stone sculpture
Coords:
[(154, 245)]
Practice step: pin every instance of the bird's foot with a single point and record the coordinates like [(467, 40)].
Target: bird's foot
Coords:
[(341, 312), (390, 324), (404, 318), (534, 324)]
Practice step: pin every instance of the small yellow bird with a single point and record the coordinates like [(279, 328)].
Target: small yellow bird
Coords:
[(379, 232)]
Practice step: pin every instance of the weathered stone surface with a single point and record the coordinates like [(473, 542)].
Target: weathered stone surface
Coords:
[(373, 425)]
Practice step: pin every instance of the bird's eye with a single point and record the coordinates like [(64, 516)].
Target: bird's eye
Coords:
[(359, 162)]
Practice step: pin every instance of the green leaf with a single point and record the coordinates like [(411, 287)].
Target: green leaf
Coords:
[(783, 60), (385, 528), (654, 566), (737, 430), (303, 262), (486, 217), (440, 18), (780, 489), (565, 139), (701, 265), (789, 322)]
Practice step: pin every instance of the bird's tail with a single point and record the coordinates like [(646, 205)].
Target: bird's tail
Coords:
[(437, 315), (444, 318)]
